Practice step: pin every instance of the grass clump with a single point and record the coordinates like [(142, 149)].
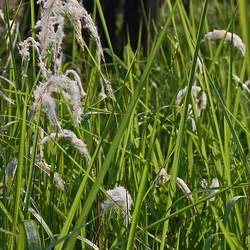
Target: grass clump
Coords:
[(158, 161)]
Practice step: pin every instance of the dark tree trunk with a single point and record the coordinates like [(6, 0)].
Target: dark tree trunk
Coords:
[(134, 12)]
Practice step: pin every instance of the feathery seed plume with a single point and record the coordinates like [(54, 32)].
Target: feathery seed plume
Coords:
[(199, 96), (78, 13), (70, 136), (57, 179), (214, 185), (6, 98), (164, 178), (119, 197), (221, 34)]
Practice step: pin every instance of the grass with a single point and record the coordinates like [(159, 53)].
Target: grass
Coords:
[(131, 138)]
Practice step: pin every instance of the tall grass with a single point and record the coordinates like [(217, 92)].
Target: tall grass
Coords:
[(131, 136)]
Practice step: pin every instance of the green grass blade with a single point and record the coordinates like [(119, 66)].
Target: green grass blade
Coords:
[(20, 167), (116, 141), (32, 235), (181, 130), (140, 194)]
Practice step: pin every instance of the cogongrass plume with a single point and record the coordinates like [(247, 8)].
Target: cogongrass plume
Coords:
[(49, 42), (228, 36), (71, 137), (200, 99), (50, 36), (199, 96), (71, 89), (163, 177), (203, 183), (57, 179), (6, 98), (245, 85), (119, 198), (214, 186), (82, 19), (200, 65)]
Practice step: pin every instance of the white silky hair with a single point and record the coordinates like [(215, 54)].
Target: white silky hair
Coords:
[(119, 197)]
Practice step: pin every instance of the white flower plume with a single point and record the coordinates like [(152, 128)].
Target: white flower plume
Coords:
[(57, 179), (71, 137), (214, 185), (221, 34), (164, 178), (119, 197)]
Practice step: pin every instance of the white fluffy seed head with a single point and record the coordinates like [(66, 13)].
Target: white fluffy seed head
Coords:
[(221, 34), (77, 79), (56, 84), (49, 42), (119, 197), (24, 49), (49, 104), (214, 185), (51, 26), (162, 176), (43, 95), (6, 98), (200, 65), (57, 179), (25, 45), (185, 189), (203, 183), (72, 138), (236, 78), (200, 99), (78, 13)]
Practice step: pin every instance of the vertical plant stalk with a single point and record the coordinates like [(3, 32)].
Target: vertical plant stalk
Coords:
[(20, 166), (104, 25), (33, 33), (31, 169), (227, 134), (12, 54), (244, 20), (140, 195), (224, 230), (119, 134), (177, 151)]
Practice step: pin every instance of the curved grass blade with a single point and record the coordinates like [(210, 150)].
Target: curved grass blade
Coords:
[(20, 166), (229, 207), (178, 146), (208, 242), (32, 235), (42, 222), (116, 141)]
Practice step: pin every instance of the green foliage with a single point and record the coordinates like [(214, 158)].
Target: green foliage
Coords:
[(130, 138)]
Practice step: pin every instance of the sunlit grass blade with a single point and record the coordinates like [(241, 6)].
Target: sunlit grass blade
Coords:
[(181, 130), (119, 133)]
